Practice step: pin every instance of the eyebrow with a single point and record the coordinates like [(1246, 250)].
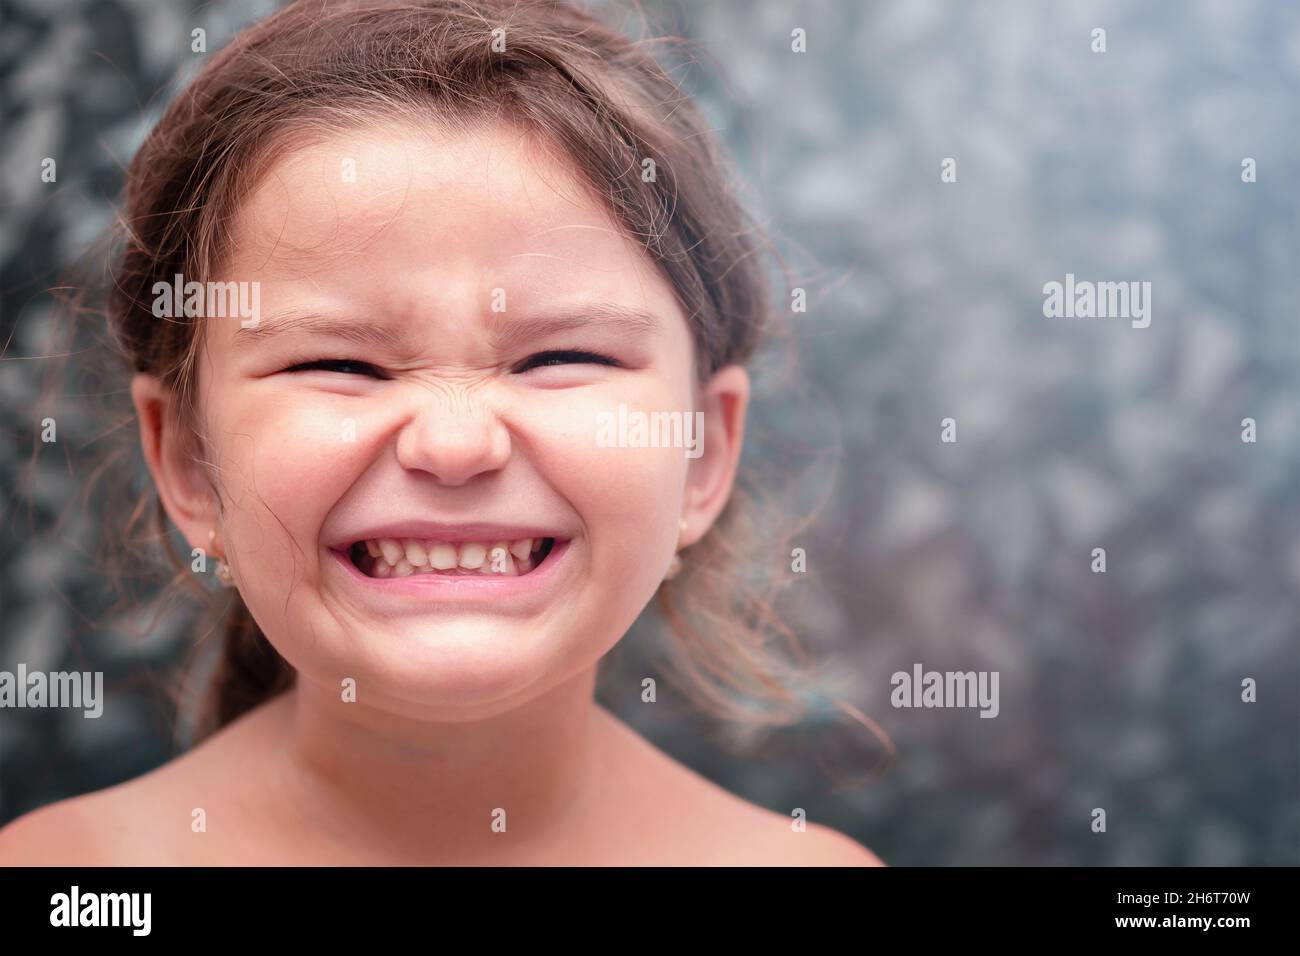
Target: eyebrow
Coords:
[(288, 323), (629, 322), (506, 332)]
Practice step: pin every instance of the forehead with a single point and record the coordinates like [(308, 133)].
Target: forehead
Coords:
[(403, 212)]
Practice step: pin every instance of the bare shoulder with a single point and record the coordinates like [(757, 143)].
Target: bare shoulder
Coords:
[(145, 821), (760, 837), (702, 823), (140, 822), (828, 847), (63, 833)]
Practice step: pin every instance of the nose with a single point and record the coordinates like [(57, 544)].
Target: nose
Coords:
[(453, 435)]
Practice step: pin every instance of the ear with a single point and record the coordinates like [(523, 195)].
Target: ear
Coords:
[(185, 492), (724, 402)]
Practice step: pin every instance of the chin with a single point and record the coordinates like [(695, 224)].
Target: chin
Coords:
[(465, 668)]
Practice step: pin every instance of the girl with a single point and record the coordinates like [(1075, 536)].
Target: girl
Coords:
[(423, 302)]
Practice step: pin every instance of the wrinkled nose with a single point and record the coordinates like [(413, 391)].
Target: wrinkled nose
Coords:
[(453, 435)]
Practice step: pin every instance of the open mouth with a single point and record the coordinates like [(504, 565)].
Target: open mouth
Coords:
[(403, 557)]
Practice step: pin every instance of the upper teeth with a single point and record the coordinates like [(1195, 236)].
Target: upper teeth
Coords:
[(397, 557)]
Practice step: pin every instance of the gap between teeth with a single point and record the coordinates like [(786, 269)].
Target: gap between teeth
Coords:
[(391, 557)]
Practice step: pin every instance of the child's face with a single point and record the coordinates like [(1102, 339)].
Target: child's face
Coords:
[(447, 248)]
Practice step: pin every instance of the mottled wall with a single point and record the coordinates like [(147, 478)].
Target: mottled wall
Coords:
[(925, 298)]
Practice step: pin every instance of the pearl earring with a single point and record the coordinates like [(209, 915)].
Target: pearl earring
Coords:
[(675, 565), (224, 576), (674, 568)]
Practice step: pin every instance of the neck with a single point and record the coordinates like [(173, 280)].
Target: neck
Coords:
[(385, 783)]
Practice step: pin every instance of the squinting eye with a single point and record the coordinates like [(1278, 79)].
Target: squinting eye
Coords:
[(565, 357), (346, 366)]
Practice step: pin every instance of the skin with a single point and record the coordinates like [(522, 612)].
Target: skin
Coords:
[(459, 710)]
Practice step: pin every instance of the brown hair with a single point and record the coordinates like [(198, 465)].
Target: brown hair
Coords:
[(595, 96)]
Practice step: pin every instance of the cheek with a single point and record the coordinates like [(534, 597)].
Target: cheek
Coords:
[(628, 498), (283, 465)]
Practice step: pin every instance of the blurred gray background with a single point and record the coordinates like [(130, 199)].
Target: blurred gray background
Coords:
[(1119, 690)]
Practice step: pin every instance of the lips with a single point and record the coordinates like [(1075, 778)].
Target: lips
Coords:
[(423, 594), (482, 550)]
